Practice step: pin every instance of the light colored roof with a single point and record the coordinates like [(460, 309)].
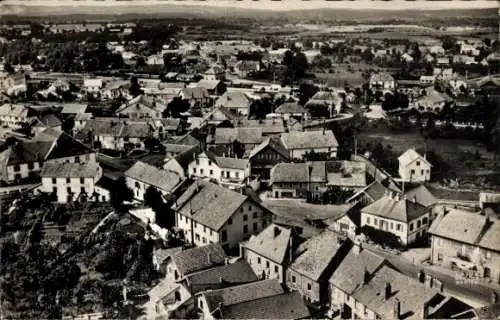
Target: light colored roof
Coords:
[(234, 100), (14, 110), (70, 170), (195, 93), (162, 179), (290, 107), (269, 126), (83, 116), (346, 173), (243, 135), (467, 227), (316, 254), (409, 156), (422, 195), (177, 148), (162, 289), (299, 172), (199, 258), (409, 292), (114, 127), (282, 306), (232, 163), (381, 77), (309, 140), (209, 204), (143, 102), (208, 84), (396, 209), (75, 108), (272, 243), (242, 293), (92, 82), (350, 274)]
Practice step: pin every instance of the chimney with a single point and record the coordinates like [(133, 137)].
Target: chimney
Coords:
[(414, 199), (494, 297), (277, 231), (397, 308), (209, 257), (366, 276), (387, 290)]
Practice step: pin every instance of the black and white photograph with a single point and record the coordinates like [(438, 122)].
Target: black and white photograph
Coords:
[(249, 159)]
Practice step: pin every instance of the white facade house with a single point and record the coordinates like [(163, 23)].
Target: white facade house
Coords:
[(382, 81), (70, 181), (15, 116), (299, 143), (92, 85), (406, 219), (208, 213), (229, 172), (413, 167)]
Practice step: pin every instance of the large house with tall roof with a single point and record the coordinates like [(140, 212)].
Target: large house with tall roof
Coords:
[(15, 116), (270, 252), (393, 213), (142, 107), (266, 155), (236, 102), (208, 213), (248, 137), (313, 264), (468, 241)]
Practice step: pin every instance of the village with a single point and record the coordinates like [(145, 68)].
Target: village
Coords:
[(160, 177)]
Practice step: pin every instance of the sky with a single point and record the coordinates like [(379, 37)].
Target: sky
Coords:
[(283, 5)]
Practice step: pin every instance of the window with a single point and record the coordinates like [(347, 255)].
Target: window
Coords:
[(245, 229), (255, 226), (241, 209), (375, 221), (398, 227), (200, 304), (229, 221), (254, 215), (197, 237), (411, 226), (267, 264), (54, 180), (194, 170), (293, 279), (276, 269), (418, 163), (204, 240), (249, 208), (82, 180), (223, 236), (210, 232), (412, 171), (77, 160), (209, 162), (68, 189), (309, 287), (245, 217), (201, 171), (204, 229), (54, 189), (237, 174), (68, 180), (197, 161), (264, 223), (258, 260), (82, 190), (17, 168), (211, 172), (418, 224), (422, 171), (367, 220), (195, 224), (222, 174), (392, 225), (424, 220), (31, 166)]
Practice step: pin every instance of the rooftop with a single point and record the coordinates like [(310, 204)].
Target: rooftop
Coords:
[(309, 140), (272, 243), (163, 179), (395, 208), (70, 170), (198, 258)]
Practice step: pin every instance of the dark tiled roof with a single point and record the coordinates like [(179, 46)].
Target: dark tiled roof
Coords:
[(396, 209), (163, 179), (282, 306), (199, 258), (272, 243), (236, 273)]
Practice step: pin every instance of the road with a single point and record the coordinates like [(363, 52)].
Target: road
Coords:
[(472, 293)]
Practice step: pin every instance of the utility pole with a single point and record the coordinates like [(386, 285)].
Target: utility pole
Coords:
[(355, 148)]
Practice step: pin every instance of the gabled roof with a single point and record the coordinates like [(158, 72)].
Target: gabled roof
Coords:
[(282, 306), (290, 107), (231, 163), (274, 144), (269, 126), (422, 195), (74, 108), (194, 93), (351, 272), (272, 243), (309, 140), (141, 104), (15, 110), (381, 77), (315, 255), (219, 114), (234, 100), (208, 84), (409, 292), (399, 209), (162, 179), (328, 96), (243, 135), (49, 121), (25, 152), (64, 145), (374, 190), (209, 204), (346, 173), (217, 277), (299, 172), (411, 155), (169, 124), (199, 258), (243, 293), (70, 170), (185, 157)]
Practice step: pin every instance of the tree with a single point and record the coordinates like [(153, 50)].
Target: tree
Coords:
[(154, 199), (260, 108), (238, 149), (176, 107), (306, 92), (7, 67), (121, 192), (135, 87), (67, 125)]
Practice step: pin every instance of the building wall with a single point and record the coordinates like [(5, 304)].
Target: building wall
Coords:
[(263, 266), (13, 122), (173, 165), (22, 171), (398, 228), (417, 171), (84, 158), (345, 226), (293, 190), (203, 167), (339, 299), (299, 153), (444, 249), (118, 143), (63, 186), (203, 307), (139, 188), (308, 288)]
